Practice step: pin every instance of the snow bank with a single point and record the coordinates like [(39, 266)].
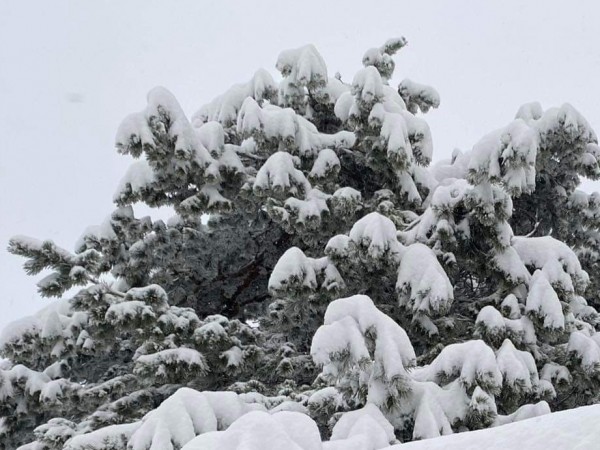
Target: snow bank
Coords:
[(194, 420), (565, 430), (261, 431)]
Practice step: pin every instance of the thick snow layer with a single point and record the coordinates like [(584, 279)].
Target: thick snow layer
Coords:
[(102, 232), (543, 301), (294, 267), (565, 119), (139, 176), (394, 131), (335, 89), (359, 315), (586, 349), (377, 234), (565, 430), (272, 122), (111, 435), (507, 155), (184, 415), (367, 85), (177, 421), (423, 280), (326, 163), (125, 311), (45, 319), (509, 263), (368, 422), (259, 430), (472, 362), (435, 408), (540, 251), (309, 210), (455, 168), (225, 107), (212, 136), (517, 367), (295, 270), (420, 95), (173, 356), (194, 420), (135, 129), (303, 65), (523, 413), (279, 174), (491, 318)]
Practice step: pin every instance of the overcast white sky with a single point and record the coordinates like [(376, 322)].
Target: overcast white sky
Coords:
[(71, 70)]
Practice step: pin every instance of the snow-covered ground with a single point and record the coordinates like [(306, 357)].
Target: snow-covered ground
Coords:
[(576, 429), (366, 429), (194, 420)]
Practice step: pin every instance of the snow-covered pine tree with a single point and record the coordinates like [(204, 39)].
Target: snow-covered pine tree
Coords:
[(386, 299)]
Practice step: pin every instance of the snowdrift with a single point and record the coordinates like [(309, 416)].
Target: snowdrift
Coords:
[(566, 430)]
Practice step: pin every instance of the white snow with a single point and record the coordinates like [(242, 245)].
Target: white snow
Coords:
[(335, 89), (423, 96), (263, 431), (524, 412), (273, 123), (55, 319), (510, 263), (565, 430), (394, 130), (102, 232), (367, 85), (539, 251), (173, 356), (279, 174), (338, 246), (311, 209), (377, 234), (128, 310), (343, 340), (139, 176), (224, 109), (194, 420), (367, 421), (471, 362), (135, 128), (111, 435), (543, 302), (302, 65), (343, 106), (422, 281), (293, 267), (455, 168), (517, 367), (212, 136), (492, 319), (326, 164), (585, 348), (345, 201), (506, 155)]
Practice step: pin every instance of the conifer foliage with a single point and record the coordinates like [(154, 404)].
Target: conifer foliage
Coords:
[(318, 281)]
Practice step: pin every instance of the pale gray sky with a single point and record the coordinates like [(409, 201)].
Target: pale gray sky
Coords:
[(71, 70)]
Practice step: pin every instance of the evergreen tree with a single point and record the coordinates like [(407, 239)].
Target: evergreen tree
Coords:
[(315, 266)]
